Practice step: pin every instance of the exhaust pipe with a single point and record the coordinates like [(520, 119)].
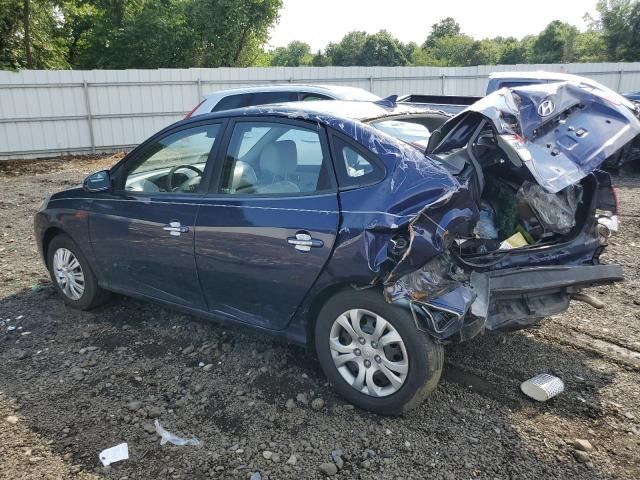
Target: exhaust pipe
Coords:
[(583, 297)]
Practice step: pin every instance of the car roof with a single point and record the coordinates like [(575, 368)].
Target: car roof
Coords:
[(338, 91), (359, 111), (537, 75), (324, 111)]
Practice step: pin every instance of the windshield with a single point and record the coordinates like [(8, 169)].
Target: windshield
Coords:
[(409, 132)]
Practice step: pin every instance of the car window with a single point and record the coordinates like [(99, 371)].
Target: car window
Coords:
[(407, 131), (233, 101), (174, 163), (274, 158), (354, 168), (310, 97), (265, 98)]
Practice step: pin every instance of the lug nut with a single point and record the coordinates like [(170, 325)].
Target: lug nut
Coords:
[(367, 363), (362, 341), (374, 344), (357, 352), (377, 358)]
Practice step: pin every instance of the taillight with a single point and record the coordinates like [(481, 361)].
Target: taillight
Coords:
[(188, 115)]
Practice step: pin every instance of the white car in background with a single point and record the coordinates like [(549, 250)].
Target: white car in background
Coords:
[(267, 94)]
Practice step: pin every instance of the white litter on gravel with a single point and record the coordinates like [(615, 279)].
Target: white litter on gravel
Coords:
[(174, 439), (114, 454), (542, 387)]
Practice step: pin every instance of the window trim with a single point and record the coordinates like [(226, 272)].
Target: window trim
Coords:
[(215, 186), (119, 170), (345, 182)]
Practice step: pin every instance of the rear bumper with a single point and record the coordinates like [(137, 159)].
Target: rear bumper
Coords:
[(536, 280), (508, 299), (521, 297)]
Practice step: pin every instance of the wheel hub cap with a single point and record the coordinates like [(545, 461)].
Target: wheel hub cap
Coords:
[(369, 353), (68, 273)]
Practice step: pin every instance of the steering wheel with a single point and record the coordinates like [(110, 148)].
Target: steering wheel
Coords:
[(175, 169)]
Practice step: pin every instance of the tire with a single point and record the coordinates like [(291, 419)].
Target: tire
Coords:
[(412, 383), (85, 298)]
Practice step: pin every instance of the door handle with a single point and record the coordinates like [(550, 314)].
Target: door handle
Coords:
[(175, 229), (303, 242)]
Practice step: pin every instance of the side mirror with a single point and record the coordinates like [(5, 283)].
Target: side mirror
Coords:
[(98, 181)]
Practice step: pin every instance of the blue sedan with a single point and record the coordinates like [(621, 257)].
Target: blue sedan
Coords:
[(326, 223)]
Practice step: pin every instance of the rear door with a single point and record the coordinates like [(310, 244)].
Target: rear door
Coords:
[(266, 230)]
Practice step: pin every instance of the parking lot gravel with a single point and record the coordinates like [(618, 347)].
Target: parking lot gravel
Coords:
[(74, 383)]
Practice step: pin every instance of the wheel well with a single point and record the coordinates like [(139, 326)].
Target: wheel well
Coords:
[(317, 304), (48, 236)]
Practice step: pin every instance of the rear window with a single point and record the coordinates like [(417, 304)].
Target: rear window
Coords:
[(354, 166), (409, 132), (250, 99), (233, 101)]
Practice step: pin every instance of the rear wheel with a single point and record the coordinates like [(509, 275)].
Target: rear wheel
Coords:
[(373, 353), (72, 276)]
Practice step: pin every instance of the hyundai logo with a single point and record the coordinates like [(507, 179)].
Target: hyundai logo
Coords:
[(546, 108)]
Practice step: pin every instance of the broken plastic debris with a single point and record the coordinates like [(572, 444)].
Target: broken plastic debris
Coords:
[(486, 226), (542, 387), (556, 211), (516, 240), (171, 438), (114, 454)]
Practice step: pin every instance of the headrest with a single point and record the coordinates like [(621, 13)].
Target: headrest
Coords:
[(280, 158), (243, 176)]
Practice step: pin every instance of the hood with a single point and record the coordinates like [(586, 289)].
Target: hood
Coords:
[(559, 131)]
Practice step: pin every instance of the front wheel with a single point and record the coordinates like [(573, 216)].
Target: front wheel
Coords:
[(374, 355), (72, 276)]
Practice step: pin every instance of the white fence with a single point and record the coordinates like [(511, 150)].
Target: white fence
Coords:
[(45, 113)]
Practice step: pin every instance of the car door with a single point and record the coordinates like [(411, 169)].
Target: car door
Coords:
[(142, 233), (266, 230)]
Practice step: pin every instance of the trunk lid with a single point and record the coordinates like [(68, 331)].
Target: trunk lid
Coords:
[(560, 132)]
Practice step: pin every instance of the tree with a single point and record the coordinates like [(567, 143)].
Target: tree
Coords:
[(320, 60), (514, 51), (485, 52), (454, 51), (555, 44), (167, 33), (620, 26), (30, 35), (294, 54), (590, 46), (347, 52), (447, 27), (382, 48)]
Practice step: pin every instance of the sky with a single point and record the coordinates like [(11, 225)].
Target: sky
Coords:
[(319, 22)]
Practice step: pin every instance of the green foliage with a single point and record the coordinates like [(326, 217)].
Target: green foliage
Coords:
[(347, 52), (382, 48), (447, 27), (135, 33), (620, 26), (87, 34), (295, 54), (555, 43), (31, 35)]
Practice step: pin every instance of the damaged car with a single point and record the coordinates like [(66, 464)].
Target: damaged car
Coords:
[(356, 228)]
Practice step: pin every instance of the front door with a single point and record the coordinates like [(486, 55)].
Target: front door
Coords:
[(267, 229), (142, 234)]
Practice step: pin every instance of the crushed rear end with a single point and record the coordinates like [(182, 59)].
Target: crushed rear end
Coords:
[(522, 233)]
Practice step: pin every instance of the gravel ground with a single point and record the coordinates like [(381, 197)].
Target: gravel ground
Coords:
[(73, 383)]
